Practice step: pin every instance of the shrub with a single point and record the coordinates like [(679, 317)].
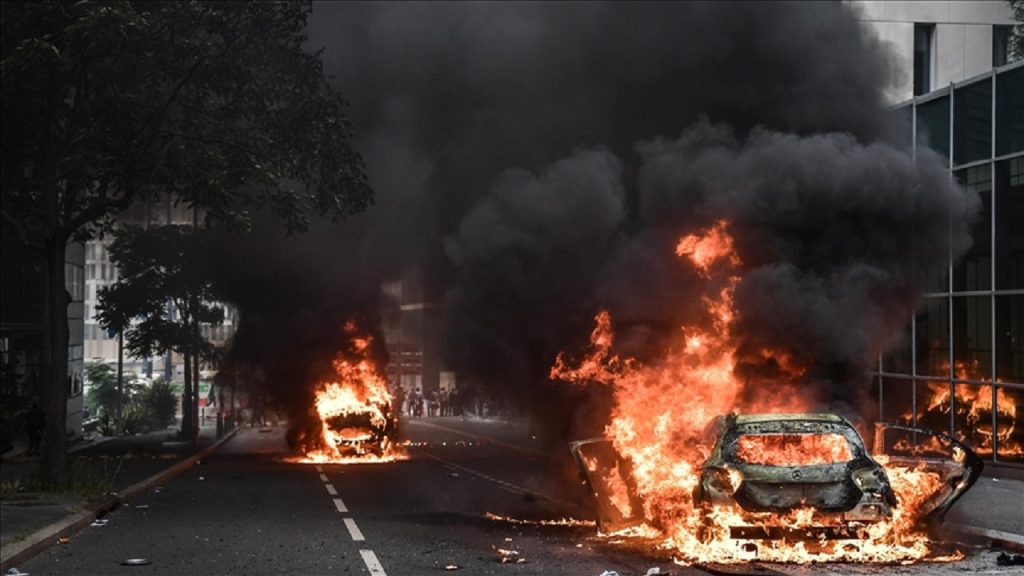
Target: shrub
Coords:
[(160, 404)]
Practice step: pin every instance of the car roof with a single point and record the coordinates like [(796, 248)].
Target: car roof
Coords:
[(805, 417)]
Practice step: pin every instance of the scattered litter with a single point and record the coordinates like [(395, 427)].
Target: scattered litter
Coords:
[(1005, 559), (15, 572), (63, 540), (609, 573), (656, 571), (136, 562), (202, 477), (142, 506), (508, 556), (452, 567), (100, 522)]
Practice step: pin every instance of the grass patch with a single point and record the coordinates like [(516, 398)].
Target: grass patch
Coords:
[(88, 479)]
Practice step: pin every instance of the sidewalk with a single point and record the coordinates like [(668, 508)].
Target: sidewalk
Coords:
[(105, 473)]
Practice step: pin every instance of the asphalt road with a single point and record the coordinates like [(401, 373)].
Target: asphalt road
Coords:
[(247, 510)]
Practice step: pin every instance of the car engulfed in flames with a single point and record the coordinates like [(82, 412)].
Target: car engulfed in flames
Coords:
[(351, 420), (780, 462), (794, 478), (779, 483)]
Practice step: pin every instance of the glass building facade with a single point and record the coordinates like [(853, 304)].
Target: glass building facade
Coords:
[(959, 368)]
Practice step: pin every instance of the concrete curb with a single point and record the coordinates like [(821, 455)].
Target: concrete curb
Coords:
[(17, 552), (1007, 540)]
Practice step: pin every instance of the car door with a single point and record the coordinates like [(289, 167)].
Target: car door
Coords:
[(608, 478), (957, 465)]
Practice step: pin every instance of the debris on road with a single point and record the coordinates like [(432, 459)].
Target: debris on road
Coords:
[(15, 572), (63, 540), (508, 556), (136, 562), (1005, 559), (452, 567)]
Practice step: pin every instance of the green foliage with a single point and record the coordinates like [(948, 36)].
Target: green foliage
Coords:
[(158, 265), (101, 396), (160, 403), (216, 102)]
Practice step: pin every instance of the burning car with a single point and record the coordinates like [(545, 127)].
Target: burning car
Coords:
[(772, 463), (371, 429), (790, 476)]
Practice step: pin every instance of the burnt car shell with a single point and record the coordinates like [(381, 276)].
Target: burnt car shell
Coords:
[(361, 433), (848, 491)]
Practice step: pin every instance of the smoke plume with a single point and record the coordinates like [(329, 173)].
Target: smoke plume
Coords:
[(537, 161)]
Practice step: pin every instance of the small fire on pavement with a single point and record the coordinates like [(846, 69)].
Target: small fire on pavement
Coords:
[(658, 431), (353, 419)]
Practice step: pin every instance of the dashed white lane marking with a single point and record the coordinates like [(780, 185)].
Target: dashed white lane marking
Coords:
[(323, 477), (319, 468), (340, 505), (372, 564), (353, 530), (330, 489)]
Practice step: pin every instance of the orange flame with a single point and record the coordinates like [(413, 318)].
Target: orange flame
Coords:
[(973, 408), (359, 390), (660, 414)]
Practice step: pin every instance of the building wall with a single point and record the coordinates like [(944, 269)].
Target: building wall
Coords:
[(959, 366), (962, 45)]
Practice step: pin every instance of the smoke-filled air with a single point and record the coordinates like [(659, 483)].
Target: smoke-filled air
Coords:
[(535, 164)]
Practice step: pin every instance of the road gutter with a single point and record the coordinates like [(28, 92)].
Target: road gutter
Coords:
[(18, 552)]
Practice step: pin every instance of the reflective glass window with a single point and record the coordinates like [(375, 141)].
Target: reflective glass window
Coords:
[(923, 58), (1010, 339), (1010, 112), (1009, 249), (898, 401), (974, 271), (1010, 424), (972, 122), (932, 338), (933, 125), (972, 417), (897, 359), (972, 337)]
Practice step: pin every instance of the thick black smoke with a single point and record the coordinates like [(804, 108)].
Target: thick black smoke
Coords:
[(538, 161)]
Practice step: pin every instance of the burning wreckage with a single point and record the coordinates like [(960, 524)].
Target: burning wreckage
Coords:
[(352, 419), (799, 477), (776, 483)]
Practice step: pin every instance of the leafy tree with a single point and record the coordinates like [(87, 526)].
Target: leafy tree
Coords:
[(102, 389), (102, 393), (159, 265), (104, 103)]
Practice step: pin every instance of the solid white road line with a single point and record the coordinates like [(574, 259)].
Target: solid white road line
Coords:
[(353, 530), (372, 564), (323, 477), (330, 489), (340, 505)]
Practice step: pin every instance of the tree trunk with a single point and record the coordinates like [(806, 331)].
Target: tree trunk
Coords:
[(186, 400), (55, 367)]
